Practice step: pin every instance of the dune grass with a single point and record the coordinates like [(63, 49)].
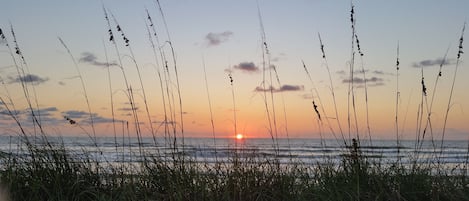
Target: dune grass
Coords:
[(51, 172)]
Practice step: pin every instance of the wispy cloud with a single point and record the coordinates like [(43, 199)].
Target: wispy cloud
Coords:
[(84, 117), (380, 72), (375, 79), (283, 88), (341, 72), (100, 119), (90, 58), (47, 111), (29, 78), (164, 122), (51, 116), (5, 112), (214, 39), (279, 57), (47, 114), (367, 71), (127, 109), (358, 80), (433, 62), (307, 96), (249, 67), (75, 114), (370, 82)]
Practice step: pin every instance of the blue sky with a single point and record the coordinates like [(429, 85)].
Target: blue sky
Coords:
[(227, 34)]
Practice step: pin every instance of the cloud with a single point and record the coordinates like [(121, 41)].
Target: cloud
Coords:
[(50, 120), (247, 67), (434, 62), (127, 109), (370, 82), (84, 117), (7, 113), (375, 84), (42, 111), (24, 116), (214, 39), (358, 80), (341, 72), (49, 116), (380, 72), (90, 58), (283, 88), (361, 71), (307, 96), (375, 79), (280, 56), (29, 78), (165, 122), (291, 88), (367, 71), (100, 119), (49, 109), (46, 111), (75, 114)]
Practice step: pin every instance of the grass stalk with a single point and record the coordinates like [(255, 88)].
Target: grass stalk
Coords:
[(277, 78), (398, 95), (321, 105), (351, 93), (210, 110), (22, 76), (129, 92), (331, 87), (458, 61), (152, 33), (365, 83), (233, 98), (85, 93), (132, 55), (169, 41), (111, 96), (266, 65)]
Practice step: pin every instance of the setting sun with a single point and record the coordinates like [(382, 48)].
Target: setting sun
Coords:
[(239, 136)]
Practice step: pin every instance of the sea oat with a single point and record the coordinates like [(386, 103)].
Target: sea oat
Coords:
[(316, 110), (424, 88), (460, 51)]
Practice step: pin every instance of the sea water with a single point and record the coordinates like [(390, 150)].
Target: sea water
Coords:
[(450, 153)]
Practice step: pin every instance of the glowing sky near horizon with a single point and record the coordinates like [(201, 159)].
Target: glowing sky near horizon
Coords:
[(226, 36)]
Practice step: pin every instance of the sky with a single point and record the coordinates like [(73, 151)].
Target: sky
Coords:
[(270, 94)]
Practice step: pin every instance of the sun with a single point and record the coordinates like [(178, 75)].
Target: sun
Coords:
[(239, 136)]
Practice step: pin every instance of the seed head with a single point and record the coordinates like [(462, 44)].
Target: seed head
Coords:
[(71, 121), (461, 40), (358, 45), (424, 88), (231, 79), (2, 35), (316, 110)]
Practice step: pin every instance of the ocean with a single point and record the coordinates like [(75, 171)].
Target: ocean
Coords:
[(286, 151)]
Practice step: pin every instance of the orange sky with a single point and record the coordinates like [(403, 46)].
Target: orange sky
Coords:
[(232, 43)]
